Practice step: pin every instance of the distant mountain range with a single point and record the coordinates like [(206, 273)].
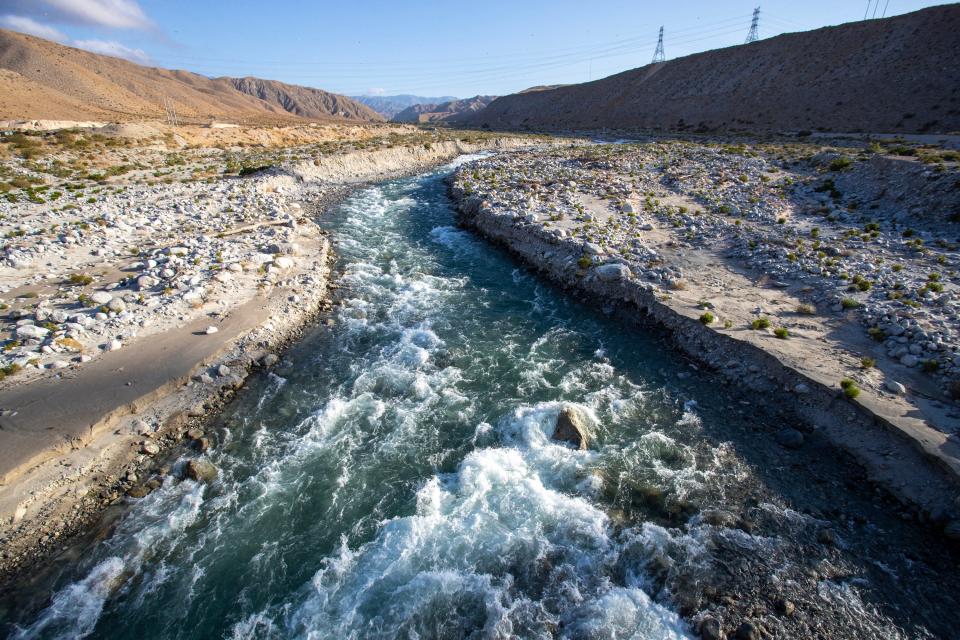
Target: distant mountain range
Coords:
[(389, 106), (450, 112), (40, 79), (899, 74)]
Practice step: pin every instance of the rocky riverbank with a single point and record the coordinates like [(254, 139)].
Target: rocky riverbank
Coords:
[(139, 317), (772, 274)]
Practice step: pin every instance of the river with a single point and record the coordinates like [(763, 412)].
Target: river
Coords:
[(397, 478)]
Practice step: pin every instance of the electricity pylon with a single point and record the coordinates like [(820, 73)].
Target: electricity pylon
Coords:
[(754, 34), (658, 55)]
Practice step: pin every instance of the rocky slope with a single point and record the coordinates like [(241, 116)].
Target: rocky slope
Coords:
[(389, 106), (899, 74), (305, 102), (43, 79), (452, 112)]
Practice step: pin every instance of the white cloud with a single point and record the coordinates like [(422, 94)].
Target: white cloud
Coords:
[(118, 14), (375, 91), (113, 48), (31, 27), (109, 14)]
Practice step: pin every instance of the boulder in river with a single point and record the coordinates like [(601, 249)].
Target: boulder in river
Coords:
[(572, 427), (200, 470)]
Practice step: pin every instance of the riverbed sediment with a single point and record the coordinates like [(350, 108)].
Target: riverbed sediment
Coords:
[(895, 453)]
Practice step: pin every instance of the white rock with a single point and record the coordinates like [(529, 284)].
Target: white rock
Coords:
[(283, 262), (613, 272), (211, 330), (895, 387), (31, 331)]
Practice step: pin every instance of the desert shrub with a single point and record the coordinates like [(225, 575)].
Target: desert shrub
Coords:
[(806, 309), (850, 388), (760, 323), (707, 318), (781, 332), (840, 163)]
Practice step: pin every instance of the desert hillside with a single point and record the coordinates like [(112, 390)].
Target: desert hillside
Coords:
[(899, 74), (451, 112), (43, 79)]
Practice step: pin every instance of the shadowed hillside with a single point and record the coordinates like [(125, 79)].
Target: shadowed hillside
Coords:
[(898, 74)]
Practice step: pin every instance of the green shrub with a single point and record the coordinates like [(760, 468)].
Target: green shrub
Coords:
[(781, 332), (867, 363), (850, 388), (760, 323), (849, 303), (707, 318), (80, 279), (806, 309), (840, 163)]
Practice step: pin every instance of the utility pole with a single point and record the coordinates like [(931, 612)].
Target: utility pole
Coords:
[(754, 34), (658, 55)]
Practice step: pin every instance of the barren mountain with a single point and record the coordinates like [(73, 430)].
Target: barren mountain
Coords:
[(389, 106), (450, 112), (43, 79), (304, 101), (899, 74)]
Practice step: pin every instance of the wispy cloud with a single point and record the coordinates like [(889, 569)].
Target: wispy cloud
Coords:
[(23, 24), (375, 91), (113, 48), (111, 14)]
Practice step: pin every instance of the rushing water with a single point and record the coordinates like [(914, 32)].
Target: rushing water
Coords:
[(399, 480)]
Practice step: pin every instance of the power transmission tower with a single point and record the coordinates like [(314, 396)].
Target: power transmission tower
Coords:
[(867, 12), (171, 112), (754, 34), (658, 55)]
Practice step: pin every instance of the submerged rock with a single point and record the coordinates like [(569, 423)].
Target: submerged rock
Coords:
[(572, 427)]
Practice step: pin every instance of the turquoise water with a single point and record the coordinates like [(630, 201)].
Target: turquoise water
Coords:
[(399, 480)]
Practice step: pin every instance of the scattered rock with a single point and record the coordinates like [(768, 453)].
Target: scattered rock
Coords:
[(895, 387), (269, 360), (710, 629), (150, 448), (748, 631), (211, 330)]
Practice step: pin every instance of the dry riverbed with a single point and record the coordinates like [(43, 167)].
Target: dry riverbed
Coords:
[(840, 262)]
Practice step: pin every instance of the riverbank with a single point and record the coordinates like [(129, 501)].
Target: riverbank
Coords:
[(587, 232), (174, 352)]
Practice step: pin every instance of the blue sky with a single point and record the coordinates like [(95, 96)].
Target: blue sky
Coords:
[(388, 47)]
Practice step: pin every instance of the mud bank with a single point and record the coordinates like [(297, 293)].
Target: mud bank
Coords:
[(902, 463)]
